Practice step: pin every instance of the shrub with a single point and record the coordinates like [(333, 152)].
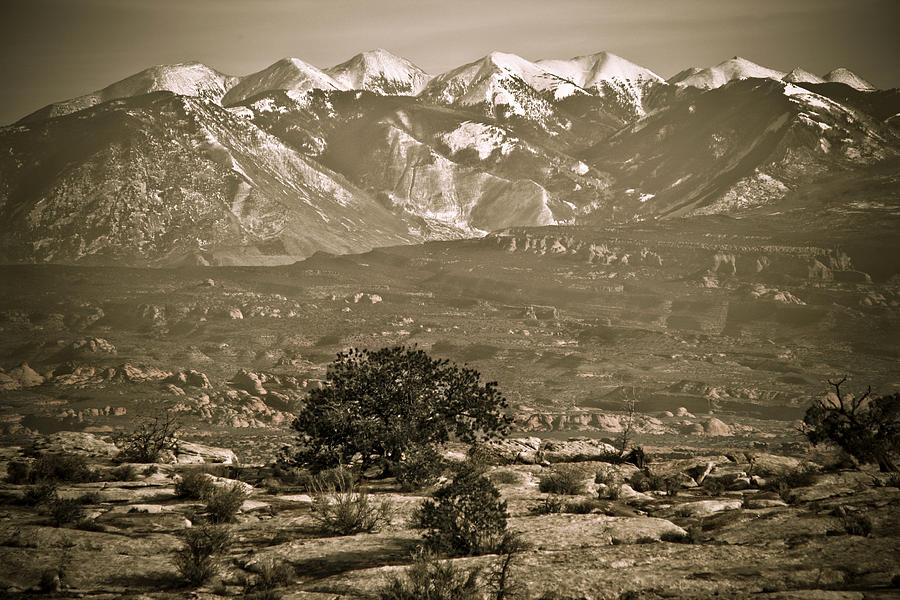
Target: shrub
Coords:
[(562, 480), (65, 510), (613, 483), (481, 456), (864, 427), (18, 472), (195, 485), (675, 537), (672, 485), (92, 497), (466, 516), (549, 506), (341, 507), (431, 579), (41, 493), (197, 561), (713, 487), (62, 467), (124, 472), (583, 507), (506, 477), (150, 470), (421, 466), (269, 575), (854, 523), (89, 525), (223, 503), (150, 440), (639, 482)]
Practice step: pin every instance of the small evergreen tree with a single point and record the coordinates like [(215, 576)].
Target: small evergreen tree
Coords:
[(866, 428), (381, 404), (466, 517)]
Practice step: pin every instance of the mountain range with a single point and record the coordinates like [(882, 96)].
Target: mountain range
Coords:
[(182, 164)]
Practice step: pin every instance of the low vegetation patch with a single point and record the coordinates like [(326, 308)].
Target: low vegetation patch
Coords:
[(71, 468), (150, 440), (198, 559), (223, 503), (562, 480), (194, 485), (342, 507), (269, 575), (431, 579)]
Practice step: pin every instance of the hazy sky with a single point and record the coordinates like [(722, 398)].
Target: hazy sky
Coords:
[(57, 49)]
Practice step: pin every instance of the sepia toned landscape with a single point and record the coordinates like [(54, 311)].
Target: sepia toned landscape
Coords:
[(549, 329)]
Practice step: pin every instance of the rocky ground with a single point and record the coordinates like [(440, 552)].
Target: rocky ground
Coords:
[(739, 524)]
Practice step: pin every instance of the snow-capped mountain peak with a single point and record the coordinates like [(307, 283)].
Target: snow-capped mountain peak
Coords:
[(800, 75), (290, 74), (591, 70), (187, 79), (728, 70), (379, 71), (846, 76)]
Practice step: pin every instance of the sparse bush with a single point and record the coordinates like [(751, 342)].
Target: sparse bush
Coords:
[(89, 525), (639, 482), (197, 561), (562, 480), (92, 497), (713, 487), (854, 523), (150, 470), (549, 506), (269, 576), (342, 507), (505, 477), (672, 485), (41, 493), (50, 581), (675, 537), (864, 427), (613, 482), (62, 467), (224, 502), (421, 466), (194, 485), (466, 516), (431, 579), (124, 472), (65, 510), (18, 472), (481, 456), (150, 440), (785, 484)]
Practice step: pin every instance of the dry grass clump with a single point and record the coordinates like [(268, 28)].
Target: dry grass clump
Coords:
[(342, 507), (194, 485), (198, 560), (223, 503), (506, 477)]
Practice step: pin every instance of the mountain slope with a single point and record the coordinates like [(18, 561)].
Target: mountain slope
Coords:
[(381, 72), (162, 179), (736, 148), (186, 79)]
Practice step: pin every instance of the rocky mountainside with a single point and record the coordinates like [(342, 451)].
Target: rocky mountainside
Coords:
[(182, 163)]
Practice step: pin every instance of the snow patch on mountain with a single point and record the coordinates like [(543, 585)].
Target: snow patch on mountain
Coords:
[(482, 138), (729, 70)]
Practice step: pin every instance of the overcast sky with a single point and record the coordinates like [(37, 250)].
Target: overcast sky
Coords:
[(57, 49)]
